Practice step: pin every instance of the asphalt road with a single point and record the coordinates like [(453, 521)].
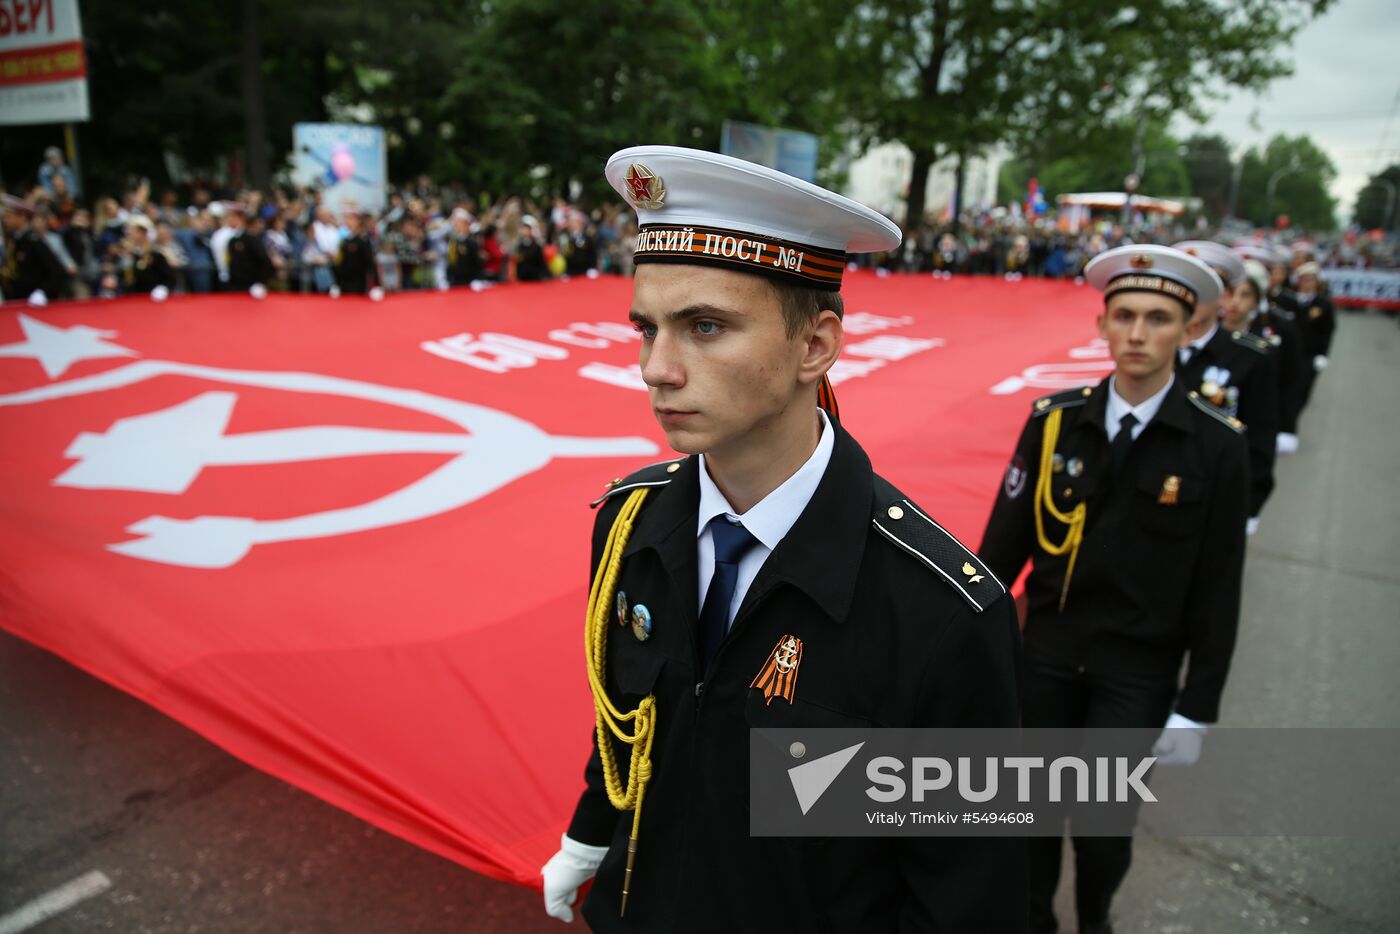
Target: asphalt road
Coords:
[(188, 839)]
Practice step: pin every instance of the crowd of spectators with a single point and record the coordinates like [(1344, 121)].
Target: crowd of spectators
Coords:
[(985, 244), (431, 236), (291, 240)]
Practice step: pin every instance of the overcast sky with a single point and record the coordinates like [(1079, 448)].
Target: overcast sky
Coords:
[(1343, 93)]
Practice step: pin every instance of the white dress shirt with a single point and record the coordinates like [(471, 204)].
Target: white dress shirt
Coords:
[(768, 521), (1144, 411)]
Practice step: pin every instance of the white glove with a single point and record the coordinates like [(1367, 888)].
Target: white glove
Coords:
[(571, 867), (1319, 363), (1286, 443), (37, 299), (334, 292), (1180, 742), (160, 293), (258, 291), (376, 294), (1251, 525)]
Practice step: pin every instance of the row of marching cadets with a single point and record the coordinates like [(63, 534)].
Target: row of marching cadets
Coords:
[(1133, 500), (772, 578)]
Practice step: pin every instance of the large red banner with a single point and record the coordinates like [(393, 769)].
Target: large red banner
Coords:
[(347, 540)]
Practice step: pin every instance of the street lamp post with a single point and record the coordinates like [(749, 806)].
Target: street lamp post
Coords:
[(1235, 187), (1273, 183), (1130, 187)]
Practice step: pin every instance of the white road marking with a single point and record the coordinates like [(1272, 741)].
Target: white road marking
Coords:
[(55, 903)]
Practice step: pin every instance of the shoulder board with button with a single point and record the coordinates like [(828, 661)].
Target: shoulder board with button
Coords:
[(658, 474), (911, 530), (1061, 400), (1253, 342), (1234, 424)]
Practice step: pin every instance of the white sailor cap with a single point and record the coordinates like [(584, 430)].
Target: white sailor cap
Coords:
[(1260, 253), (1148, 267), (1257, 273), (1216, 255), (704, 208)]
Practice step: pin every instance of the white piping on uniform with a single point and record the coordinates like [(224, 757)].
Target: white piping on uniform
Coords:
[(918, 554)]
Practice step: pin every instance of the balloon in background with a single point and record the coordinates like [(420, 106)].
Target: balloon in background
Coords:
[(342, 163), (557, 264)]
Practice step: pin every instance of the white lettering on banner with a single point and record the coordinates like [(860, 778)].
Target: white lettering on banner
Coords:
[(1054, 376), (890, 347), (1363, 287), (1096, 349), (863, 322), (567, 336), (504, 353), (627, 377), (843, 370), (494, 353), (594, 336)]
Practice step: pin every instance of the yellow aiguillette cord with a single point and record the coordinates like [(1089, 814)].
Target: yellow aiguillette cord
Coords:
[(1045, 498), (609, 718)]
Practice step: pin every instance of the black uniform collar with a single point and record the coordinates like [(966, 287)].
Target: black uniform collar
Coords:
[(820, 555), (1220, 344)]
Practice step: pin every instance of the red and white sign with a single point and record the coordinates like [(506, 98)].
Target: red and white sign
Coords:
[(348, 541), (1363, 288), (43, 70)]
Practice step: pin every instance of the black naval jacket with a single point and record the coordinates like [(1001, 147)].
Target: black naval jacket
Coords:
[(1154, 582), (148, 271), (1317, 319), (1280, 331), (354, 265), (30, 264), (887, 641), (248, 262), (1245, 387)]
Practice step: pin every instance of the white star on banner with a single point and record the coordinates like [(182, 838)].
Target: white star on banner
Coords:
[(57, 349)]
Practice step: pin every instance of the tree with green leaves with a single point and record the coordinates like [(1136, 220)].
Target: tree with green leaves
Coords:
[(954, 77), (1147, 149), (1211, 169), (1378, 203), (1290, 177)]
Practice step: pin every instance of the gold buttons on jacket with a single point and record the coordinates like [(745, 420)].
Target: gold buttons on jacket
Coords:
[(894, 512), (672, 468)]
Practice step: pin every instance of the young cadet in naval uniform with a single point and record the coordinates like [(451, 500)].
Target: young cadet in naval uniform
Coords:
[(1252, 311), (1129, 498), (771, 578), (1317, 320), (1235, 371)]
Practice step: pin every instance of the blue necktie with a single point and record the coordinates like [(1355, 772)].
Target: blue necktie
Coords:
[(732, 542)]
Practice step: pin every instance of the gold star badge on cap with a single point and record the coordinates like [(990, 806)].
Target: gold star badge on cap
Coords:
[(644, 187)]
